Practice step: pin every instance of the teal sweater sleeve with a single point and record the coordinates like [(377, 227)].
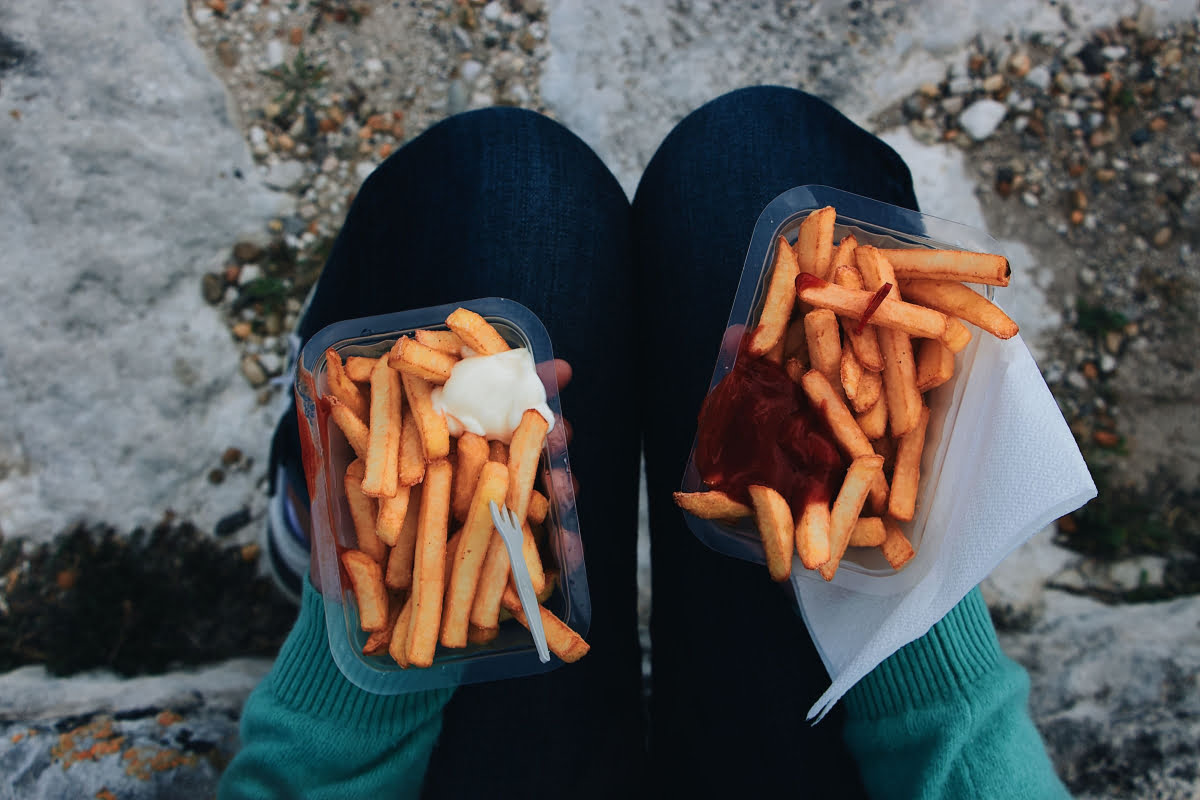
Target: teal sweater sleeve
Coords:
[(308, 732), (947, 717)]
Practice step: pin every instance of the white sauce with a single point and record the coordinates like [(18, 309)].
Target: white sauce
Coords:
[(487, 395)]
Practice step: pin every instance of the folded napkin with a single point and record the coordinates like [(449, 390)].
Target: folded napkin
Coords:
[(1000, 464)]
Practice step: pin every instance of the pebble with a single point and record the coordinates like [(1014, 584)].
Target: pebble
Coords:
[(275, 53), (250, 272), (993, 83), (242, 330), (363, 169), (213, 287), (253, 370), (981, 118), (246, 251), (1076, 380), (959, 85), (1107, 363), (271, 362), (492, 11), (1070, 119), (1087, 276), (232, 523), (1019, 64), (1112, 341), (284, 174), (227, 53), (953, 104), (1029, 199), (1162, 236), (470, 70), (1039, 78)]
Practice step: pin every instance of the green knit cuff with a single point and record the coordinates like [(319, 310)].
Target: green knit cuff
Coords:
[(957, 652), (306, 679)]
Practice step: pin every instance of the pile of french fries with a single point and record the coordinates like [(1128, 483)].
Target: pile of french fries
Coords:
[(865, 332), (416, 584)]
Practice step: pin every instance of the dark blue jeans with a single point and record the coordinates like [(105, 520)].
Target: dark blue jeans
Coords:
[(506, 202)]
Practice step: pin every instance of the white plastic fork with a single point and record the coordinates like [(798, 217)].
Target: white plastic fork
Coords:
[(510, 532)]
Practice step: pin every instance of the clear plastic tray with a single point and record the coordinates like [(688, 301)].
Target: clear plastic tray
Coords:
[(326, 453), (883, 225)]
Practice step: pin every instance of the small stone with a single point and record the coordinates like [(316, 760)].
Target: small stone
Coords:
[(1029, 199), (231, 273), (271, 362), (1076, 169), (384, 150), (249, 274), (258, 140), (981, 118), (284, 142), (373, 66), (363, 169), (1020, 124), (531, 8), (295, 36), (283, 175), (329, 164), (1106, 438), (213, 287), (253, 370), (1019, 64), (1098, 139), (1158, 124), (1139, 137), (1108, 364), (492, 11), (227, 53), (216, 476), (1070, 119), (930, 90), (378, 122), (231, 456), (246, 251), (1171, 57), (327, 125), (218, 6), (1105, 175), (250, 552), (1077, 199), (1087, 276), (470, 70), (1162, 237), (275, 53), (1077, 217), (959, 85), (975, 63), (1005, 178), (1112, 341), (1076, 380), (242, 330), (1090, 372), (1039, 77), (993, 83), (1091, 57)]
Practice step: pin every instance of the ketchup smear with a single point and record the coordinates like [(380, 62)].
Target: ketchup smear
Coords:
[(757, 427)]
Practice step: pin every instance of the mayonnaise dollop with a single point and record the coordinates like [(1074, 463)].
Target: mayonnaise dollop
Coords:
[(487, 395)]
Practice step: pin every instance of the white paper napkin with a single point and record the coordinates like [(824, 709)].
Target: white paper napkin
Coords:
[(1006, 476)]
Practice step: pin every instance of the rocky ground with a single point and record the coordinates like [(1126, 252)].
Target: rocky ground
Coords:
[(1067, 130)]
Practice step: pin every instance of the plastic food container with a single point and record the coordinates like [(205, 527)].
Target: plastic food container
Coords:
[(886, 226), (326, 454)]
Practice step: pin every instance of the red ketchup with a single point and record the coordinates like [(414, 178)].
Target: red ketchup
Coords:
[(757, 427)]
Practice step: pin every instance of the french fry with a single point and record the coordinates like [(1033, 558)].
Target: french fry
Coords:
[(391, 516), (868, 532), (341, 387), (539, 507), (777, 306), (491, 485), (795, 369), (951, 297), (476, 333), (861, 387), (446, 341), (814, 243), (413, 358), (398, 647), (906, 473), (358, 368), (956, 337), (795, 340), (472, 455), (711, 505), (411, 468), (524, 453), (899, 367), (565, 643), (429, 563), (542, 596), (366, 576), (485, 611), (435, 435), (843, 256), (399, 572), (498, 452), (812, 534), (935, 364), (897, 549), (845, 428), (776, 528), (892, 313), (865, 341), (775, 354), (383, 436), (362, 512), (824, 345), (874, 421), (379, 641), (533, 559), (353, 428), (949, 265), (864, 471)]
